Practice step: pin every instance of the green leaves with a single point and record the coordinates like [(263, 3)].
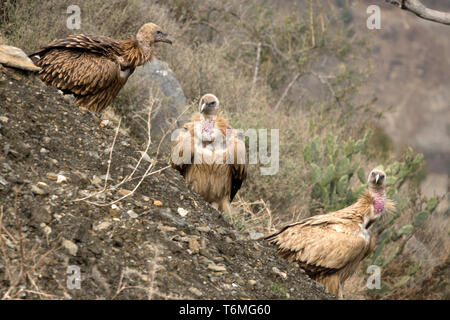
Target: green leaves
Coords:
[(331, 168), (420, 218), (432, 203)]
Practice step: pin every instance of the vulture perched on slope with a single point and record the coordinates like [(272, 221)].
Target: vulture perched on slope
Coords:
[(95, 68), (210, 155), (329, 247)]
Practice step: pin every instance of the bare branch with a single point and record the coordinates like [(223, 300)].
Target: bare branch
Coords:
[(285, 92), (416, 7), (258, 58)]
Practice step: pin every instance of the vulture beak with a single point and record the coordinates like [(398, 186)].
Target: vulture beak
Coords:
[(164, 38), (377, 178), (203, 107)]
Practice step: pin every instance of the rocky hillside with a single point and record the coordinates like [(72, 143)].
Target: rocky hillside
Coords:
[(159, 242)]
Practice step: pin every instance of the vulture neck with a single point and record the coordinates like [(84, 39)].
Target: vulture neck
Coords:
[(135, 53), (208, 117)]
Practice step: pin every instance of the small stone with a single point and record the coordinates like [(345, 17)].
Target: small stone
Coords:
[(36, 190), (47, 230), (94, 154), (256, 235), (43, 151), (193, 245), (166, 228), (204, 229), (157, 203), (252, 282), (217, 267), (113, 212), (124, 192), (51, 176), (71, 247), (60, 178), (4, 119), (278, 272), (182, 212), (102, 225), (104, 123), (132, 214), (3, 181), (195, 291), (96, 180)]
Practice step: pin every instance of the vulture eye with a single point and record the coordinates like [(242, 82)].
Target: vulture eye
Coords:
[(158, 33), (382, 177), (373, 174), (212, 104)]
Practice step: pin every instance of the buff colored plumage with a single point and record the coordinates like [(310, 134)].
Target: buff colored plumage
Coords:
[(329, 247), (95, 68), (213, 162)]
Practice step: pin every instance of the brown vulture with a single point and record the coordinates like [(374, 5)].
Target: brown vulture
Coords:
[(329, 247), (211, 155), (95, 68)]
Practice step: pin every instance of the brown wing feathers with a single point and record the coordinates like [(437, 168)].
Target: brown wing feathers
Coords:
[(95, 68)]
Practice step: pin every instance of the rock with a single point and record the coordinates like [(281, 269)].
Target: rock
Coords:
[(251, 282), (3, 181), (16, 58), (124, 192), (61, 178), (166, 212), (193, 245), (256, 235), (195, 291), (102, 225), (51, 176), (4, 119), (217, 267), (41, 214), (182, 212), (166, 228), (157, 203), (71, 247), (278, 272), (36, 190), (204, 229), (47, 230), (132, 214), (159, 81)]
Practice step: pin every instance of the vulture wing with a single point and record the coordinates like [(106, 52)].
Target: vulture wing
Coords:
[(238, 164), (321, 247), (183, 149), (82, 65)]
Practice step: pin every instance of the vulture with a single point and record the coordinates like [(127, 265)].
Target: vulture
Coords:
[(211, 155), (95, 68), (329, 247)]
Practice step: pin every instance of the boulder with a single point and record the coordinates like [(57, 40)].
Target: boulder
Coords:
[(16, 58), (155, 82)]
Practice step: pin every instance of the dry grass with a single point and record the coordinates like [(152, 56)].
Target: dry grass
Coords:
[(22, 259)]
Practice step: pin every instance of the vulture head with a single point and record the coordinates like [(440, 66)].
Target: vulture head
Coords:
[(209, 105), (376, 182), (376, 178), (151, 33)]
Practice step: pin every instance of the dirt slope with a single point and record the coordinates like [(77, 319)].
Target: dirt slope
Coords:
[(141, 248)]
